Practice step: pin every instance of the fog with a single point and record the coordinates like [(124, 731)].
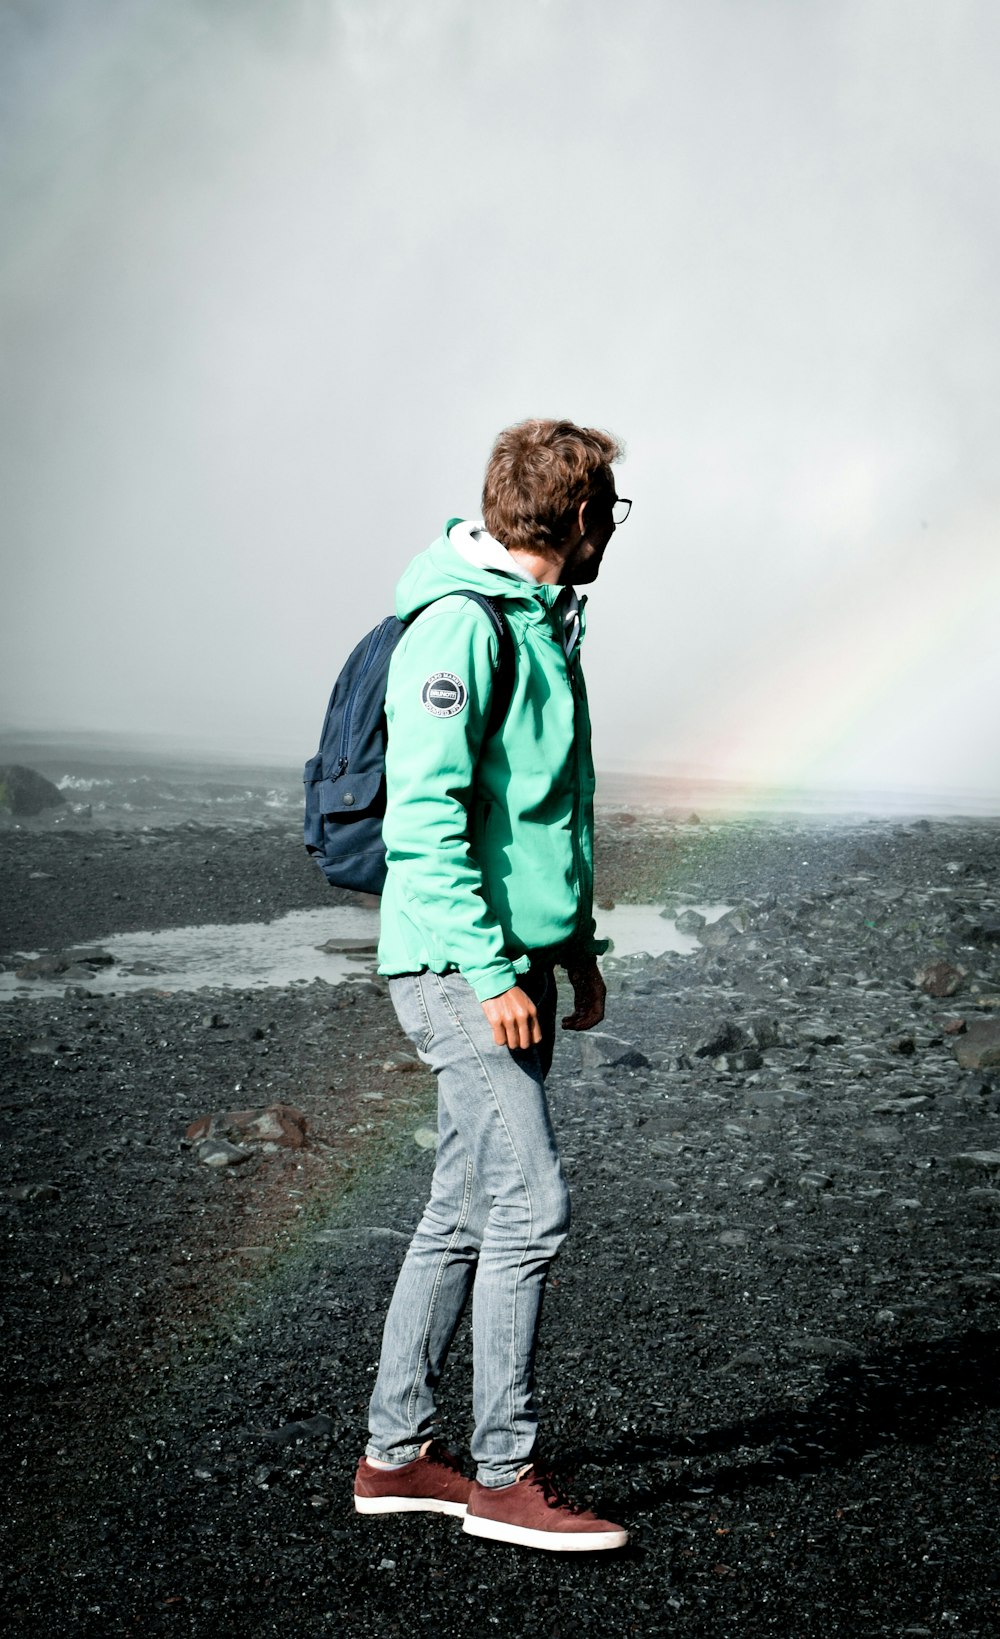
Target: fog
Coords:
[(274, 276)]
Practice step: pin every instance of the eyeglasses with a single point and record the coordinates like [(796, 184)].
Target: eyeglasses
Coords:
[(620, 509)]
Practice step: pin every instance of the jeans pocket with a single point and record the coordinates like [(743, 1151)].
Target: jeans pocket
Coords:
[(408, 999)]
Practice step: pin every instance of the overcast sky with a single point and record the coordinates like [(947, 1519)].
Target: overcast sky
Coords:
[(274, 276)]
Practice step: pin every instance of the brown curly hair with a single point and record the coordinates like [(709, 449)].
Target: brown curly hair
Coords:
[(538, 474)]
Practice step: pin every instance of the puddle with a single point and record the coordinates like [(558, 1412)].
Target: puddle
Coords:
[(636, 930), (261, 955)]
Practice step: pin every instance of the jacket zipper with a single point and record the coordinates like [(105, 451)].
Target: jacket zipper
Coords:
[(577, 802)]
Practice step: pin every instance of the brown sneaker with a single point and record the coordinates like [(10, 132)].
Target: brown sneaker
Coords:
[(536, 1513), (432, 1483)]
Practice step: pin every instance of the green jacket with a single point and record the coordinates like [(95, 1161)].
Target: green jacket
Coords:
[(489, 840)]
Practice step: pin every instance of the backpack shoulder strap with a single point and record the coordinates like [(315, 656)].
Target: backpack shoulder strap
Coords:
[(503, 677)]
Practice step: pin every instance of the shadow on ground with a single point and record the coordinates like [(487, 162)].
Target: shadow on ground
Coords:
[(908, 1395)]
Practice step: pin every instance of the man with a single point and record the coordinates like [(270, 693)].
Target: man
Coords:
[(490, 879)]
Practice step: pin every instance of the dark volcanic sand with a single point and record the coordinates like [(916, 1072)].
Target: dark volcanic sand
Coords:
[(770, 1345)]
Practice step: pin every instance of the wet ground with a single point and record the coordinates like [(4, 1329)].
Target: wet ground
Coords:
[(770, 1345)]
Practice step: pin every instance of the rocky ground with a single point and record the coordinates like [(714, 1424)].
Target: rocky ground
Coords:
[(771, 1343)]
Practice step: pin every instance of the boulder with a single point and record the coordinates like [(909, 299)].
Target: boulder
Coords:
[(24, 793), (217, 1152), (764, 1032), (279, 1127), (600, 1050), (727, 1038), (979, 1048), (717, 935), (689, 921), (939, 979), (978, 1160)]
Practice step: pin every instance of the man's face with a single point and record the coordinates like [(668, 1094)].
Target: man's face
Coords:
[(595, 527)]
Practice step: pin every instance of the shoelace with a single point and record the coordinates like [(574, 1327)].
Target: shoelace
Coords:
[(555, 1494), (443, 1457)]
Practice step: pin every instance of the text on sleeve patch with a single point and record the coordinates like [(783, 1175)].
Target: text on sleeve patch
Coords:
[(444, 694)]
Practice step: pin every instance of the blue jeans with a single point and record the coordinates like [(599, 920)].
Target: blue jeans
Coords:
[(498, 1213)]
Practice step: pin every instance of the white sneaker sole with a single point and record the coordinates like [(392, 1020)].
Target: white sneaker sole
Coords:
[(407, 1505), (563, 1542)]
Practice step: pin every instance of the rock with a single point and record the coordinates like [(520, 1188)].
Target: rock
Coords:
[(902, 1044), (747, 1357), (815, 1181), (980, 930), (400, 1064), (739, 919), (979, 1048), (953, 1027), (600, 1050), (689, 921), (216, 1152), (939, 979), (717, 935), (302, 1429), (764, 1033), (821, 1347), (756, 1182), (879, 1135), (77, 974), (349, 947), (280, 1126), (75, 964), (24, 793), (426, 1138), (734, 1237), (728, 1038), (748, 1058), (819, 1034), (33, 1192), (978, 1160)]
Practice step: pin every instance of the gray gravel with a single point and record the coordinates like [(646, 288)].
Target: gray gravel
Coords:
[(770, 1345)]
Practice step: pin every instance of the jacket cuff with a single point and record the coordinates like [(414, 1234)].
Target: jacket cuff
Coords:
[(494, 982)]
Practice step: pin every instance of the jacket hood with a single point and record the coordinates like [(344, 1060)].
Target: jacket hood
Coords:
[(442, 569)]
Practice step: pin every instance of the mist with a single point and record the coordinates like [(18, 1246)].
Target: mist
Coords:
[(274, 277)]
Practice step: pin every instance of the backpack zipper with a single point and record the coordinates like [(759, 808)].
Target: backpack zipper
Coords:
[(345, 733)]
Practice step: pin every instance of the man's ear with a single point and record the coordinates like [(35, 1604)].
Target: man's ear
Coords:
[(582, 520)]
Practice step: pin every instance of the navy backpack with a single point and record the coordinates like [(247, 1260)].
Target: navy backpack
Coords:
[(345, 781)]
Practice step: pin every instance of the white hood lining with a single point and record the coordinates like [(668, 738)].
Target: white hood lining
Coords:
[(473, 542)]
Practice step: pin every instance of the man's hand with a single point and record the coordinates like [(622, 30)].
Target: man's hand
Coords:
[(589, 992), (514, 1019)]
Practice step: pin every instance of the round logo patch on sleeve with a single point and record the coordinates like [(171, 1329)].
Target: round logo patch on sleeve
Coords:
[(444, 695)]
